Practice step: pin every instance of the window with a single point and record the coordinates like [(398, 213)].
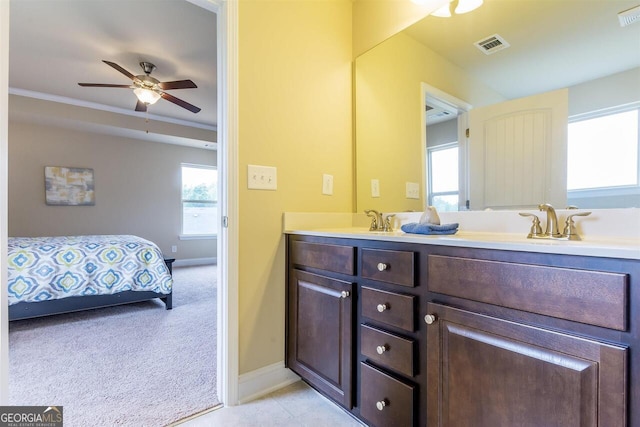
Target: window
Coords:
[(199, 201), (443, 177), (602, 152)]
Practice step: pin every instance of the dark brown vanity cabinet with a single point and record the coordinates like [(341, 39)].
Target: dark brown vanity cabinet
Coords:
[(447, 336), (320, 318), (490, 372), (388, 347), (554, 361)]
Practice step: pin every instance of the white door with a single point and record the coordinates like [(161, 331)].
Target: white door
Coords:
[(518, 153)]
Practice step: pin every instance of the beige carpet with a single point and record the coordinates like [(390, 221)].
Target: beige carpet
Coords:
[(131, 365)]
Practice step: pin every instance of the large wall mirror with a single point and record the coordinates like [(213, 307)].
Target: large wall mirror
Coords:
[(553, 63)]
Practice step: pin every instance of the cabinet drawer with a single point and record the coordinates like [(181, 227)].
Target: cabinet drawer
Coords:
[(385, 401), (388, 350), (389, 308), (389, 266), (591, 297), (336, 258)]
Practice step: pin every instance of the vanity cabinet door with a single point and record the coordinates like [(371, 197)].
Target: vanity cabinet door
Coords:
[(491, 372), (319, 333)]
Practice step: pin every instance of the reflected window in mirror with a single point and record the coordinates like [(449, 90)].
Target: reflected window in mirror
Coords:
[(603, 154), (442, 177)]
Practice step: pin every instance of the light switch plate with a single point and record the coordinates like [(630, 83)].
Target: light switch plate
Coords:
[(327, 184), (375, 188), (413, 190), (262, 177)]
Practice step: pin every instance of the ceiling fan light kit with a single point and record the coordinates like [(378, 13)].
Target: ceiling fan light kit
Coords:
[(147, 96), (149, 90)]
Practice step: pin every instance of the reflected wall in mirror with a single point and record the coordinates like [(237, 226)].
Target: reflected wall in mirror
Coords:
[(579, 45)]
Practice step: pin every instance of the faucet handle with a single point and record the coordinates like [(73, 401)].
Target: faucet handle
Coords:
[(536, 229), (570, 226), (387, 222)]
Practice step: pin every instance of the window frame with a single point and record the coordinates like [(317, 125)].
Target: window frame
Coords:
[(194, 236), (611, 191)]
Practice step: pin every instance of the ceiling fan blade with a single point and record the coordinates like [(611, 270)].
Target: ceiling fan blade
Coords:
[(119, 68), (179, 102), (105, 85), (178, 84), (141, 106)]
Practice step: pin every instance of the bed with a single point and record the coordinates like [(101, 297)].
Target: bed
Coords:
[(52, 275)]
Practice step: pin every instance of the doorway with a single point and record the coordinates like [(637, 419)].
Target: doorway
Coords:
[(445, 142), (227, 240)]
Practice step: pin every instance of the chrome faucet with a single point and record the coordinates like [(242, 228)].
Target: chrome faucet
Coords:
[(551, 229)]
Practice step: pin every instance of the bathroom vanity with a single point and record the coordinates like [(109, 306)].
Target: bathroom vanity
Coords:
[(404, 330)]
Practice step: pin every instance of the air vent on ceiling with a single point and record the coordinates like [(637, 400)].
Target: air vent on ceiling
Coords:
[(492, 44), (439, 111), (629, 16)]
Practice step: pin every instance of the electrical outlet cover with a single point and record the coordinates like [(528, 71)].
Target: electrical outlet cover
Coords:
[(375, 188), (413, 190), (327, 184)]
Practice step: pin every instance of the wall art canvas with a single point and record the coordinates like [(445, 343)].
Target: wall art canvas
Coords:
[(69, 186)]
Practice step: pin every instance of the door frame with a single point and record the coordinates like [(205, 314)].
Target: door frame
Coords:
[(4, 196), (463, 107)]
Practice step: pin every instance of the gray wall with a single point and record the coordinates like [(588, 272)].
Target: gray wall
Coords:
[(442, 133), (137, 186)]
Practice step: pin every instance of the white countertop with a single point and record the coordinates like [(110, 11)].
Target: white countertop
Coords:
[(614, 248), (608, 233)]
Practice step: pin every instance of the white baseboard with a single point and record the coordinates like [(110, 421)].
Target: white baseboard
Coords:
[(255, 384), (194, 261)]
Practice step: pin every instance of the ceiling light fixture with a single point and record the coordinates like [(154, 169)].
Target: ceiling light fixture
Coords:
[(462, 6), (147, 96)]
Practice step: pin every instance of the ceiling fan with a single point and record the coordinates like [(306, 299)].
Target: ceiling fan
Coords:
[(148, 89)]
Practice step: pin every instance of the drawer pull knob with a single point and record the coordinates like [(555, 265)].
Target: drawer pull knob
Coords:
[(430, 319), (382, 266), (382, 348), (382, 307), (381, 404), (344, 294)]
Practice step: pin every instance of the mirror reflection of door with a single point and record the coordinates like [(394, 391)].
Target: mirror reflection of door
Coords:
[(519, 149)]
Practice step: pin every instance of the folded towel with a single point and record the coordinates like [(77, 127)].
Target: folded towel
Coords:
[(417, 228)]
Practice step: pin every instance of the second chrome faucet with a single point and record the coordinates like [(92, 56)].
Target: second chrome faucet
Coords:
[(551, 229)]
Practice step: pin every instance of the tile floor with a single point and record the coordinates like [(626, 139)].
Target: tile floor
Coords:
[(296, 405)]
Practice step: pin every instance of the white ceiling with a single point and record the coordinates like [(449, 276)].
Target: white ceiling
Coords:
[(554, 43), (55, 44)]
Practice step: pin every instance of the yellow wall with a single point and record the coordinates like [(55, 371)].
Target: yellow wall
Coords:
[(294, 114), (388, 109)]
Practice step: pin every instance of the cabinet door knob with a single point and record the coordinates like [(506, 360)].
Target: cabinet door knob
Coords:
[(344, 294), (382, 307), (381, 404), (429, 319), (382, 266), (382, 348)]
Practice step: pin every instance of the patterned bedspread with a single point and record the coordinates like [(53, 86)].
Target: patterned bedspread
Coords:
[(46, 268)]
